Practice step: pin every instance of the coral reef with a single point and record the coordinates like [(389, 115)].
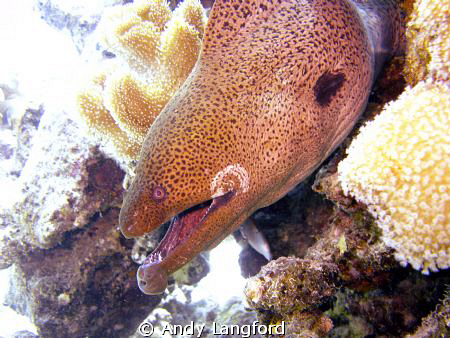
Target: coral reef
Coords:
[(366, 292), (159, 49), (428, 34), (74, 289), (398, 166)]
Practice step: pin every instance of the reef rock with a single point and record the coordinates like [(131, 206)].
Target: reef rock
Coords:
[(82, 287), (78, 19), (61, 185), (179, 309), (71, 266)]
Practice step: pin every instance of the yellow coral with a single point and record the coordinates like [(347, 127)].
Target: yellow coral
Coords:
[(193, 14), (133, 31), (134, 105), (98, 118), (160, 48), (399, 166), (156, 11), (428, 34), (180, 48)]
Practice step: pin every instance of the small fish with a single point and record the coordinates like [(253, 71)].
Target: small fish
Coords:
[(277, 87), (255, 238)]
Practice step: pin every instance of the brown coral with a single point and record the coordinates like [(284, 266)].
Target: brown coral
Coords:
[(133, 104), (132, 31)]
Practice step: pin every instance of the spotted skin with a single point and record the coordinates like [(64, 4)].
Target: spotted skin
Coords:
[(277, 87)]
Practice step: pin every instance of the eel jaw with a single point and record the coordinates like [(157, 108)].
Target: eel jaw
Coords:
[(151, 275)]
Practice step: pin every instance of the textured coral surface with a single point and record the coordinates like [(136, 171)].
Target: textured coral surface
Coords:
[(428, 33), (399, 167), (69, 290)]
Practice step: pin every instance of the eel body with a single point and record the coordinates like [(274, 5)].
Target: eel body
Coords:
[(277, 87)]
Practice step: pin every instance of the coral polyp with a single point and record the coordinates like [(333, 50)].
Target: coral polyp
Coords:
[(399, 167)]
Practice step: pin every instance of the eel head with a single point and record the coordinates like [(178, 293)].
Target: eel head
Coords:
[(277, 87)]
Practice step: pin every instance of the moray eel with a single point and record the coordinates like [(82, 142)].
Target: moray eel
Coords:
[(277, 87)]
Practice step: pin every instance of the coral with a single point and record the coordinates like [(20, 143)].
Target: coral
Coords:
[(133, 31), (381, 298), (428, 34), (99, 119), (160, 48), (134, 105), (290, 283), (312, 324), (399, 166)]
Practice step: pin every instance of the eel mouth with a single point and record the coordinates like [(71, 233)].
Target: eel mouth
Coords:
[(184, 224)]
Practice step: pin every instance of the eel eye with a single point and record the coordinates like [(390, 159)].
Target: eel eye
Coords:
[(158, 194)]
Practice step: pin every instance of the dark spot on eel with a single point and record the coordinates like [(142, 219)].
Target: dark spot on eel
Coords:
[(327, 86)]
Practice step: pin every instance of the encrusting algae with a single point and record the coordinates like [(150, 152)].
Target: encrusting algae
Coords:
[(156, 49), (399, 167)]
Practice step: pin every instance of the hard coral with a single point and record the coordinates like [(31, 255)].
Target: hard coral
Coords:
[(160, 49), (399, 166), (428, 34)]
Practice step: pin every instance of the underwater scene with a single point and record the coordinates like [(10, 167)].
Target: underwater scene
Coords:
[(224, 168)]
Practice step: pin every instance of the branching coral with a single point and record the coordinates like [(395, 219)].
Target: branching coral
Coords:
[(134, 104), (132, 31), (428, 34), (399, 166), (99, 119), (160, 49)]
